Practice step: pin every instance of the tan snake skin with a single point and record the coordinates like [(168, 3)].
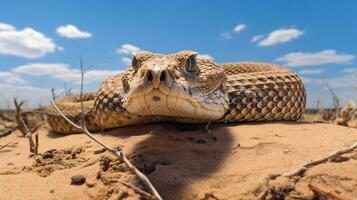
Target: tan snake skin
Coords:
[(179, 87)]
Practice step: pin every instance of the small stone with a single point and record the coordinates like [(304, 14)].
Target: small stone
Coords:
[(78, 179), (149, 168), (90, 184), (98, 151), (47, 155)]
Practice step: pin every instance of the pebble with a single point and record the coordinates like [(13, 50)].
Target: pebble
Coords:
[(78, 179)]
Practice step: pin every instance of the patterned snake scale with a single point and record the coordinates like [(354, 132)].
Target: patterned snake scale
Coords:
[(183, 88)]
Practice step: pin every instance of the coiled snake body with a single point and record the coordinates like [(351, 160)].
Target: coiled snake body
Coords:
[(180, 87)]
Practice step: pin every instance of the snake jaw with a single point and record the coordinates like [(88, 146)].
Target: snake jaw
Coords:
[(177, 103)]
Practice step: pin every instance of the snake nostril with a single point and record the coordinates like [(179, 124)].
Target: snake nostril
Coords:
[(149, 75), (163, 76)]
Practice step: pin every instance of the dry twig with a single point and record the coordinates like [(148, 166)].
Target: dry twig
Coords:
[(53, 92), (33, 144), (301, 170), (304, 167), (3, 117), (324, 193), (138, 190), (67, 91), (335, 100), (18, 116), (117, 153), (23, 127), (5, 145)]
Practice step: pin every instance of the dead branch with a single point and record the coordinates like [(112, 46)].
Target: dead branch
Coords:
[(21, 122), (335, 100), (53, 92), (117, 153), (67, 91), (33, 144), (303, 168), (5, 145), (3, 117), (138, 190), (324, 193), (36, 142), (18, 116)]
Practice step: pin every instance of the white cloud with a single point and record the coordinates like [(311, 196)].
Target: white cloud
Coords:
[(27, 42), (41, 69), (346, 81), (311, 71), (280, 36), (204, 56), (328, 56), (226, 35), (98, 75), (15, 80), (239, 28), (11, 78), (349, 80), (126, 60), (256, 38), (4, 75), (6, 27), (70, 31), (25, 92), (59, 48), (127, 49), (63, 72), (350, 70)]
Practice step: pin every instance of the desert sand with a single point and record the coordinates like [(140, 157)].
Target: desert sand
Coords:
[(183, 162)]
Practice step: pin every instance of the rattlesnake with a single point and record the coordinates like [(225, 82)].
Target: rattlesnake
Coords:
[(183, 88)]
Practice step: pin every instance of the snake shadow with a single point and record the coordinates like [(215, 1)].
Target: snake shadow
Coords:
[(176, 156)]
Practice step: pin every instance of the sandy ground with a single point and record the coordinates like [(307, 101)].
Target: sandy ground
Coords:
[(182, 163)]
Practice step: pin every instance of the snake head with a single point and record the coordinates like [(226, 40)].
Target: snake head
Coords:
[(178, 85)]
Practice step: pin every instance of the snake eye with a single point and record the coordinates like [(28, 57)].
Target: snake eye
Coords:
[(135, 63), (191, 64)]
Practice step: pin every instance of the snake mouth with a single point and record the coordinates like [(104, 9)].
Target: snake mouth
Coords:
[(175, 101)]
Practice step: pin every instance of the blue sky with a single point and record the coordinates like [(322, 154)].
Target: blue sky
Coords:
[(41, 41)]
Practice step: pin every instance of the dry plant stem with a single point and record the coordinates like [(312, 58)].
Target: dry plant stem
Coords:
[(312, 163), (37, 143), (53, 92), (335, 99), (33, 145), (3, 117), (23, 127), (138, 190), (324, 193), (18, 117), (5, 145)]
